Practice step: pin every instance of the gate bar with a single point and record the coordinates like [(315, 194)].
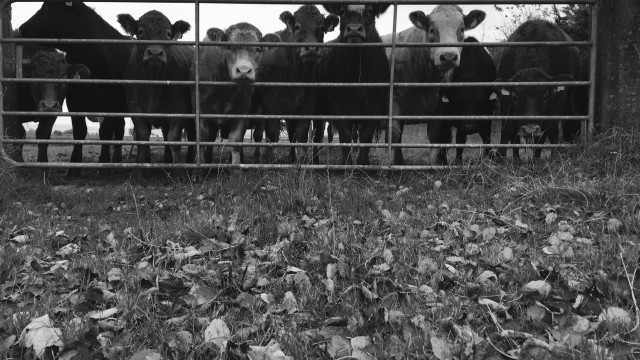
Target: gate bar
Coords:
[(590, 128), (354, 2)]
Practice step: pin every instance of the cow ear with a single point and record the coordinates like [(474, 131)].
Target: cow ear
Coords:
[(215, 34), (379, 9), (128, 23), (77, 71), (287, 18), (334, 9), (330, 23), (179, 28), (271, 38), (473, 19), (419, 19)]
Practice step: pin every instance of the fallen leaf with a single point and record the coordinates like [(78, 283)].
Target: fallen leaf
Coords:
[(338, 347), (146, 355), (441, 348), (217, 333), (39, 334), (540, 286), (270, 352), (102, 314)]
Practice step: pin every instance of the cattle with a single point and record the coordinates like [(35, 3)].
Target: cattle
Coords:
[(445, 24), (536, 64), (293, 64), (237, 64), (476, 65), (75, 20), (356, 65), (158, 62)]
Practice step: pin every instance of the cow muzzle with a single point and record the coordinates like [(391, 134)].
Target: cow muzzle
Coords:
[(354, 33), (243, 73), (309, 54), (155, 55), (530, 131), (447, 58), (49, 106)]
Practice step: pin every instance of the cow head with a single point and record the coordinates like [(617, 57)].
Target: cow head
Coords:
[(446, 24), (532, 100), (242, 62), (308, 25), (357, 22), (49, 97), (153, 26), (59, 19)]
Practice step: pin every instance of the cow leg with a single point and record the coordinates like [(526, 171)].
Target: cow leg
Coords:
[(106, 133), (117, 130), (258, 135), (444, 137), (434, 129), (345, 135), (168, 158), (190, 129), (15, 130), (485, 134), (318, 136), (397, 126), (366, 131), (507, 134), (174, 133), (236, 134), (302, 136), (143, 133), (45, 126), (79, 126), (461, 138), (272, 131)]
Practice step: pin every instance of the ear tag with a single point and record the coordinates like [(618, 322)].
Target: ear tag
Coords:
[(445, 99), (493, 96), (558, 89), (69, 3), (505, 92)]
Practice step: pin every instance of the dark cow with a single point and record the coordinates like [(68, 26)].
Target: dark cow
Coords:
[(47, 63), (75, 20), (476, 65), (158, 62), (293, 64), (445, 24), (539, 64), (237, 64), (358, 65)]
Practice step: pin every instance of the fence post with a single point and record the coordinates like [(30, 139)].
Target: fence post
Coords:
[(618, 66)]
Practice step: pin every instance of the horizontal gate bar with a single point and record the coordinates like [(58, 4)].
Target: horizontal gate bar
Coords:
[(296, 84), (290, 44), (401, 2), (268, 144), (299, 117)]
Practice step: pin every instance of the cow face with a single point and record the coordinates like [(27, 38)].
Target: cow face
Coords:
[(58, 19), (49, 97), (357, 22), (446, 24), (308, 25), (533, 101), (242, 62), (153, 26)]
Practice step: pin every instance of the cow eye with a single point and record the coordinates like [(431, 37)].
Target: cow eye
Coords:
[(259, 50), (342, 12), (168, 34), (369, 11), (296, 27)]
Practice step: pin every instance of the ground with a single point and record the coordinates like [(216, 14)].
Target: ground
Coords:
[(532, 261)]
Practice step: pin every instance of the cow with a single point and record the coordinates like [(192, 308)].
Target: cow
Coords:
[(158, 62), (237, 64), (293, 64), (75, 20), (445, 24), (536, 64), (476, 65), (357, 65)]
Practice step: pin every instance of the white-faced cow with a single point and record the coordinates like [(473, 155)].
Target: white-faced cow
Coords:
[(75, 20), (356, 65), (476, 65), (445, 24), (46, 63), (294, 64), (536, 64), (158, 62), (237, 64)]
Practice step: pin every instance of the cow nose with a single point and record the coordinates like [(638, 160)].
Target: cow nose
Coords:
[(531, 130), (244, 71), (355, 29), (449, 58), (155, 54), (49, 105), (306, 51)]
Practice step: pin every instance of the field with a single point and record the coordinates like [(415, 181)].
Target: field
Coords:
[(537, 260)]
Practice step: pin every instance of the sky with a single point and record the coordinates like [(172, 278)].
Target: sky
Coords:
[(265, 17)]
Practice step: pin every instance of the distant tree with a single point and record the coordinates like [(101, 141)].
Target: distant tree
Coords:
[(57, 132), (574, 20), (514, 15), (68, 132)]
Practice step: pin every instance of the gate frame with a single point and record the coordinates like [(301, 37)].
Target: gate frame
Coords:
[(587, 121)]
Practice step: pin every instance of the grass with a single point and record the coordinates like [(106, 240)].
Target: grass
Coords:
[(409, 256)]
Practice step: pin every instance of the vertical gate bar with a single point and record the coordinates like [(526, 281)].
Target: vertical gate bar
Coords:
[(590, 128), (2, 87), (19, 60), (392, 63), (197, 79)]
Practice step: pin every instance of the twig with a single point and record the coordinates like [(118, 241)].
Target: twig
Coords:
[(139, 223), (633, 296), (500, 351)]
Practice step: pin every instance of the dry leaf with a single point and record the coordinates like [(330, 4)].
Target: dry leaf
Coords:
[(39, 334), (270, 352), (217, 333)]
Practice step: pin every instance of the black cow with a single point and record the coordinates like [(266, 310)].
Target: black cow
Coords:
[(359, 65), (539, 64), (294, 64), (237, 64), (476, 65), (158, 62), (75, 20)]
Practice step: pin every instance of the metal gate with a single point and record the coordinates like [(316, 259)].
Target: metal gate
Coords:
[(587, 121)]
